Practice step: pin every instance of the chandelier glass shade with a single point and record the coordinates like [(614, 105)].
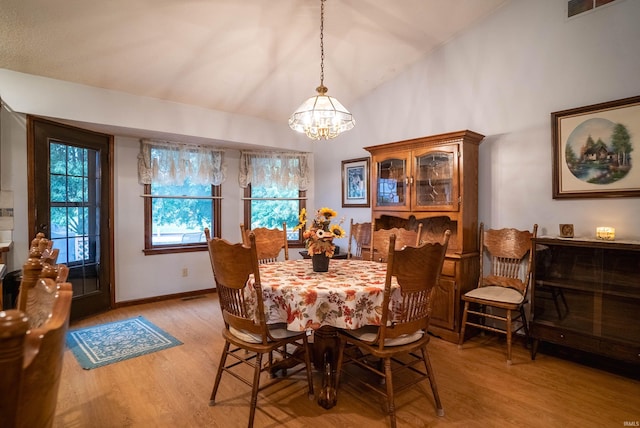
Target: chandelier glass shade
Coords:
[(321, 117)]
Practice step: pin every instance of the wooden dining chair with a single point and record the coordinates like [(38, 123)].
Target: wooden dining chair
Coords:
[(245, 328), (48, 254), (38, 265), (269, 242), (360, 235), (400, 340), (32, 345), (505, 285), (380, 240)]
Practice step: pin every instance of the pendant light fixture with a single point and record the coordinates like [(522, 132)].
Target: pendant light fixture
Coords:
[(321, 117)]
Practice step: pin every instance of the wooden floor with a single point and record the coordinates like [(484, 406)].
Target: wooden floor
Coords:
[(171, 388)]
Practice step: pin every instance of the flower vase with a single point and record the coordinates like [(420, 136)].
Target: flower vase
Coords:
[(320, 262)]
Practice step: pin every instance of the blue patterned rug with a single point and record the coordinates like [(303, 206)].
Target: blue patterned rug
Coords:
[(117, 341)]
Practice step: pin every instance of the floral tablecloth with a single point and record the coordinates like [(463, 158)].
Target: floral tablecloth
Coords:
[(348, 296)]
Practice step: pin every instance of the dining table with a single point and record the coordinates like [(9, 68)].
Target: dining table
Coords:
[(348, 296)]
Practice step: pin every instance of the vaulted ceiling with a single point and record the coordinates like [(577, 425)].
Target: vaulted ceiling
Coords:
[(253, 57)]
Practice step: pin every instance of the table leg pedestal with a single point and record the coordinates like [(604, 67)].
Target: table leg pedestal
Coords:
[(325, 357), (325, 347)]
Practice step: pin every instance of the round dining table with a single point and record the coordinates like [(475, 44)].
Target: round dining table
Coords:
[(348, 296)]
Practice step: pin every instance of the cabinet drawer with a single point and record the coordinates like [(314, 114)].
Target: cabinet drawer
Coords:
[(564, 337), (449, 268), (629, 352), (621, 351)]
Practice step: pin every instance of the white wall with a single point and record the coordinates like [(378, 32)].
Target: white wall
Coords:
[(125, 114), (136, 276), (503, 79), (139, 276)]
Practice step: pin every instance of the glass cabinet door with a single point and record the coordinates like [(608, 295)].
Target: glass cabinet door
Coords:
[(391, 183), (435, 179)]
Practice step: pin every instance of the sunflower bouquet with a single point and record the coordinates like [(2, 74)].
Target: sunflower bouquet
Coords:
[(318, 238)]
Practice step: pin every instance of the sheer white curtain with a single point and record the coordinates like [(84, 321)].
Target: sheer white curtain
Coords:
[(286, 170), (169, 163)]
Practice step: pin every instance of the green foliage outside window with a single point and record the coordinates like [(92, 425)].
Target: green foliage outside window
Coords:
[(181, 214), (271, 213)]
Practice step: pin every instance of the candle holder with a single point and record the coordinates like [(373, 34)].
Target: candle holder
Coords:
[(605, 233)]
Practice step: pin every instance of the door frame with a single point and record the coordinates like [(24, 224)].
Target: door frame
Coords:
[(31, 190)]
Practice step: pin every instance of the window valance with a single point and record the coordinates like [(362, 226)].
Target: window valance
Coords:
[(169, 163), (287, 170)]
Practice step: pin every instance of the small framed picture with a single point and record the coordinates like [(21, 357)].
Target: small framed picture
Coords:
[(566, 231), (355, 183)]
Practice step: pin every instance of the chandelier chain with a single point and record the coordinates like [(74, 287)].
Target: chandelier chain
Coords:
[(321, 117), (322, 43)]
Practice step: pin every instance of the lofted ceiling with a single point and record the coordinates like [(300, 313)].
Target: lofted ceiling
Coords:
[(253, 57)]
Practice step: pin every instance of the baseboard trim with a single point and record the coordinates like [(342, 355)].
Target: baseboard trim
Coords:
[(186, 295)]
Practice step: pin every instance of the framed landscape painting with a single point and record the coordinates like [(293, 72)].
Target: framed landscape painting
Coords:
[(594, 149), (355, 183)]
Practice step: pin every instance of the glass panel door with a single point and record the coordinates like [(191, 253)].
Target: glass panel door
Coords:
[(391, 183), (70, 203), (74, 211), (435, 180)]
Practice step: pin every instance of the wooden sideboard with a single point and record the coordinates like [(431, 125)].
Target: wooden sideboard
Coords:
[(586, 295), (434, 181)]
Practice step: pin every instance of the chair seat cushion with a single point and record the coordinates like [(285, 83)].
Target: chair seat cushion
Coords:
[(368, 334), (278, 331), (497, 294)]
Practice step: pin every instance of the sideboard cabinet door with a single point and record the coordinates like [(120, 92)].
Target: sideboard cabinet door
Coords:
[(586, 295)]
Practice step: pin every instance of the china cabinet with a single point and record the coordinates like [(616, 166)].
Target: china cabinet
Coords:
[(586, 295), (434, 181)]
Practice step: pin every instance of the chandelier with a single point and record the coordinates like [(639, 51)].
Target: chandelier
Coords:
[(321, 117)]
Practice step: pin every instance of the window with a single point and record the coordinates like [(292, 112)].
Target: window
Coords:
[(175, 216), (275, 190), (75, 187), (182, 188), (269, 206)]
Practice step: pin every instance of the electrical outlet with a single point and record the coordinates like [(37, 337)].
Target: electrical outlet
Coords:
[(185, 271)]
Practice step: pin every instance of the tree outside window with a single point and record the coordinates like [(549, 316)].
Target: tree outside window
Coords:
[(182, 195), (270, 206), (275, 189)]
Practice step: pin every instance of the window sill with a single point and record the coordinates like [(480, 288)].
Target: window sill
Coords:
[(177, 249)]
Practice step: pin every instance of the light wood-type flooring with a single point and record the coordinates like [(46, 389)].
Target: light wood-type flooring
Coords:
[(171, 388)]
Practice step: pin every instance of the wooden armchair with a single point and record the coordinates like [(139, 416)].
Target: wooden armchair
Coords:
[(39, 265), (247, 336), (32, 340), (504, 289), (380, 240), (269, 242), (32, 345), (400, 340)]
